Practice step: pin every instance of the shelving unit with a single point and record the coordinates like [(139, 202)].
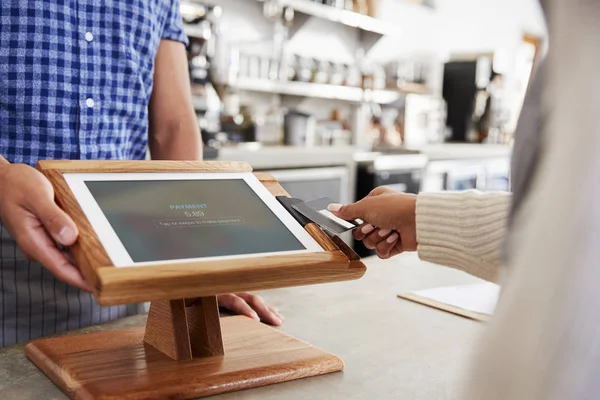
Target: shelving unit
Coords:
[(371, 30), (324, 91), (304, 89), (364, 31), (349, 18), (193, 31)]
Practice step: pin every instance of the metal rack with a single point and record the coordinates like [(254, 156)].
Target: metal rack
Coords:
[(349, 18), (371, 30), (324, 91), (288, 17)]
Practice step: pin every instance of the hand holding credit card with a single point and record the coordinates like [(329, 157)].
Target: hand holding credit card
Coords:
[(316, 211)]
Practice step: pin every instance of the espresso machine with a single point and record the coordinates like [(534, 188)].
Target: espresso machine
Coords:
[(201, 22)]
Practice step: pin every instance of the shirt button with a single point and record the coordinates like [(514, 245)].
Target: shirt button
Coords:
[(89, 103), (89, 37)]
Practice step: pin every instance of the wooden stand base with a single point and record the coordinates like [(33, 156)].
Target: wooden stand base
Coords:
[(119, 365)]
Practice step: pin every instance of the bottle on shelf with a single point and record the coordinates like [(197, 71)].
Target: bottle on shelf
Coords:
[(304, 71), (247, 125), (289, 68), (269, 126), (373, 8), (322, 72), (338, 72), (361, 7), (353, 76), (379, 78)]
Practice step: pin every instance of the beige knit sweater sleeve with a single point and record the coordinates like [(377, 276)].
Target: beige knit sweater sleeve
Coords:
[(463, 230)]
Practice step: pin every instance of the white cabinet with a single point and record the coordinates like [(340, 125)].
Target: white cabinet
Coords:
[(497, 175), (481, 174), (312, 183)]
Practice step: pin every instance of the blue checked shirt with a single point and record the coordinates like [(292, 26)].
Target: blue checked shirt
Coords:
[(75, 82), (76, 76)]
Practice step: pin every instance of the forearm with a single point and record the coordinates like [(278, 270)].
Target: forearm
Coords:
[(174, 132), (179, 140), (463, 230)]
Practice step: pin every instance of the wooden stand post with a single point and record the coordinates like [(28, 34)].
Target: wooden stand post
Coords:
[(185, 329)]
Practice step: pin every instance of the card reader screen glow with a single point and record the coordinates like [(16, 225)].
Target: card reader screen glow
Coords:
[(182, 219)]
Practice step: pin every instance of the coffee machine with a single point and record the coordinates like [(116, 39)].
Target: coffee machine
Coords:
[(464, 77), (201, 22)]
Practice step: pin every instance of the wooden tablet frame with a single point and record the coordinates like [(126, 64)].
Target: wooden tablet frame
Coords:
[(185, 350), (189, 279)]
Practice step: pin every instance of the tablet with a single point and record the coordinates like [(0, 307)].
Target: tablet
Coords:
[(152, 217)]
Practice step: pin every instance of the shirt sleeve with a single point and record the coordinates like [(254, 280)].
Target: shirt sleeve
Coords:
[(173, 28), (463, 230)]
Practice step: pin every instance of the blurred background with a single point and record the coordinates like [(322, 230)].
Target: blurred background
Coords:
[(337, 97)]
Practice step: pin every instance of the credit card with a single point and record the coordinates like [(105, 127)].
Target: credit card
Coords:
[(316, 211)]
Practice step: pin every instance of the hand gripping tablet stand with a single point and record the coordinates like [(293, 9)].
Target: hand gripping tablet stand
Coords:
[(185, 351)]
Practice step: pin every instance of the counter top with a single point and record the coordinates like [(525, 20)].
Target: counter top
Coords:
[(289, 157), (461, 151), (392, 348), (277, 157)]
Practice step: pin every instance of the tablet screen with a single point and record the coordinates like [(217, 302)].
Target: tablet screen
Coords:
[(143, 218)]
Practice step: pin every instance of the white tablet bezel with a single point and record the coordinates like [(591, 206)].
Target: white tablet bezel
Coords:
[(117, 252)]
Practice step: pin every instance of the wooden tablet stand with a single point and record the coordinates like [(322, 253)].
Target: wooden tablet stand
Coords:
[(186, 351)]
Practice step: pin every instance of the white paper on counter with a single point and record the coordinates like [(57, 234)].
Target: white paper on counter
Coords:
[(480, 297)]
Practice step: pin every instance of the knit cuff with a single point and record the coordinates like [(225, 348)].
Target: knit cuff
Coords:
[(463, 230)]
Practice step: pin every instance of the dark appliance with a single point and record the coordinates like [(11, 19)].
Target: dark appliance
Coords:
[(209, 153), (202, 22), (462, 80)]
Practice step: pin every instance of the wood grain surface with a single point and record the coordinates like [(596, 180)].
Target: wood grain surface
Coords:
[(185, 351), (265, 177), (167, 329), (87, 250), (170, 281), (188, 280), (205, 327), (117, 364), (143, 166), (347, 250), (445, 307), (185, 329), (320, 237)]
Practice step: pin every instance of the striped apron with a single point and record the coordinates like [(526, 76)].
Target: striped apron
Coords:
[(34, 304)]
